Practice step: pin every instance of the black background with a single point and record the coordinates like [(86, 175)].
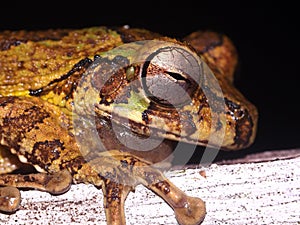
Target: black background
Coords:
[(266, 37)]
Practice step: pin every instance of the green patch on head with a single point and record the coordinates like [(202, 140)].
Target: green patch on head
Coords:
[(133, 109)]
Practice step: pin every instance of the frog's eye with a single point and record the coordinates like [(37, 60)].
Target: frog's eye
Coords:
[(170, 76)]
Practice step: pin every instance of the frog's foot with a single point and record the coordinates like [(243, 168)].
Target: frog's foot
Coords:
[(56, 183), (130, 171)]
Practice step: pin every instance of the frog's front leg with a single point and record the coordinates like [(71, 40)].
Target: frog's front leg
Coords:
[(122, 171), (188, 210), (114, 198), (10, 197)]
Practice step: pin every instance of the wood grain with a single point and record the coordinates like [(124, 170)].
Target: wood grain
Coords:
[(241, 193)]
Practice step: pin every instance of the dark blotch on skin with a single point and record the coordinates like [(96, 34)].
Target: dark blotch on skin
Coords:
[(113, 192), (6, 100), (163, 186), (14, 129), (108, 77), (187, 123), (131, 162), (124, 163), (44, 153), (105, 78), (28, 178), (145, 117), (74, 165), (231, 105), (123, 96), (235, 110)]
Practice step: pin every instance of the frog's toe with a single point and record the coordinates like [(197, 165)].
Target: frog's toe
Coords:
[(192, 212), (10, 198)]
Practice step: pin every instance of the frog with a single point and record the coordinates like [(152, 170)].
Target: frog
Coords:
[(67, 96)]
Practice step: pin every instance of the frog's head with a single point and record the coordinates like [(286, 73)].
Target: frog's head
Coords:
[(165, 88)]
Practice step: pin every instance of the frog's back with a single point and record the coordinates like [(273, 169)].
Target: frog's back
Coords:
[(30, 60)]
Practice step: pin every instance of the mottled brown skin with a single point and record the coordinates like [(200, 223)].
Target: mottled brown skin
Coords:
[(220, 54), (39, 72)]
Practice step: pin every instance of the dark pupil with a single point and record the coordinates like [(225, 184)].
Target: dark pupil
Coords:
[(176, 76)]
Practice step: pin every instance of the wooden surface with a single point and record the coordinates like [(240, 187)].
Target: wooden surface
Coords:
[(239, 193)]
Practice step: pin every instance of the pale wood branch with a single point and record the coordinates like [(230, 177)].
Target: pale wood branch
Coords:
[(241, 193)]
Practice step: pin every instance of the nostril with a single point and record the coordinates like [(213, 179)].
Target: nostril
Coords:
[(244, 130)]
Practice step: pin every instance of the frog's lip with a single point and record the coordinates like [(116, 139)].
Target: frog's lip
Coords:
[(244, 128)]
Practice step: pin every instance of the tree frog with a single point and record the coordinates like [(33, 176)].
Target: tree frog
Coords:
[(108, 106)]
